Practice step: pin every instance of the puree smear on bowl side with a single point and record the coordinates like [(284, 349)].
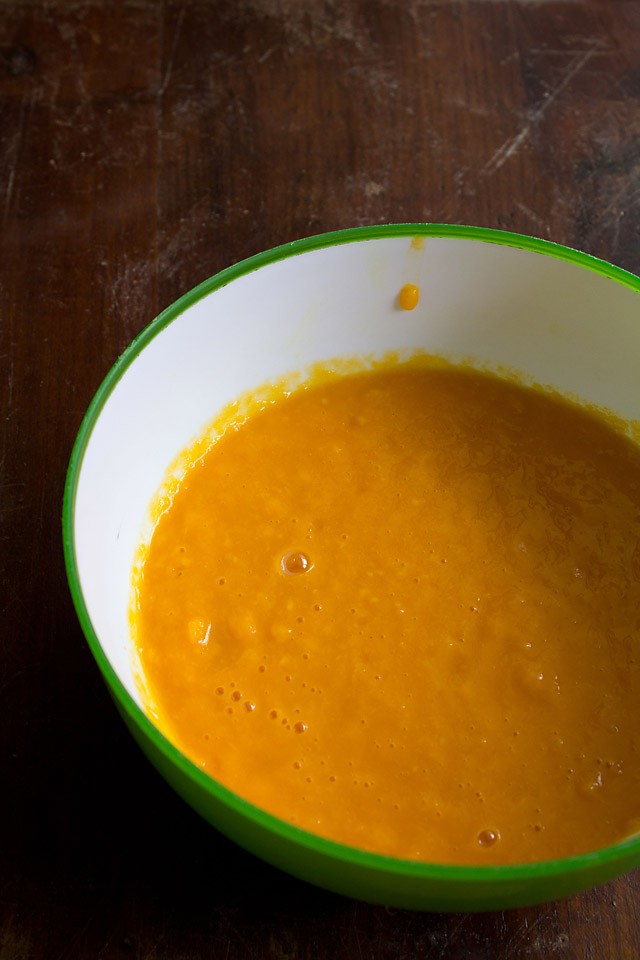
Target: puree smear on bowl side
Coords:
[(401, 609)]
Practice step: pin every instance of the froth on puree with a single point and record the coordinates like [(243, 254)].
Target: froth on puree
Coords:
[(401, 609)]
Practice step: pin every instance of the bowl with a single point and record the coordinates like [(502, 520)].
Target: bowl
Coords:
[(559, 317)]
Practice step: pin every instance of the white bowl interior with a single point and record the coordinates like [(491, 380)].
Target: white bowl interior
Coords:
[(558, 323)]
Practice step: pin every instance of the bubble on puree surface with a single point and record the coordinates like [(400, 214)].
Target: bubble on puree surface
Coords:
[(401, 609)]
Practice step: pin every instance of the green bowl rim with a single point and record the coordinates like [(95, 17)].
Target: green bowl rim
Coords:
[(409, 869)]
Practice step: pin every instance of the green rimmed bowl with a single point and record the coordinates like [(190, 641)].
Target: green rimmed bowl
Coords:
[(501, 300)]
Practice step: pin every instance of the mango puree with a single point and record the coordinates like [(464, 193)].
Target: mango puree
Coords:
[(401, 609)]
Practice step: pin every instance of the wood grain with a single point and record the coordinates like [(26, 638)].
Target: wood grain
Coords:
[(144, 146)]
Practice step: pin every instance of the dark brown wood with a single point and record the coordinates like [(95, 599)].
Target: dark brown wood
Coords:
[(143, 146)]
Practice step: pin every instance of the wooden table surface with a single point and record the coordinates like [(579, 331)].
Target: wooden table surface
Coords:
[(143, 147)]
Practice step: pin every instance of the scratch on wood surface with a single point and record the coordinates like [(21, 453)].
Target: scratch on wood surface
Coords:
[(356, 932), (10, 382), (172, 52), (548, 938), (532, 215), (616, 230), (15, 153), (521, 934), (508, 148), (513, 144), (132, 285), (267, 54), (315, 23), (558, 942)]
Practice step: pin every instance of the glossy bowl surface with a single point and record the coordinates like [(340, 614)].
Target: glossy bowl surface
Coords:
[(559, 317)]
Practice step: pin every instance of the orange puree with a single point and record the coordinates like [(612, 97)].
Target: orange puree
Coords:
[(401, 609), (409, 296)]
